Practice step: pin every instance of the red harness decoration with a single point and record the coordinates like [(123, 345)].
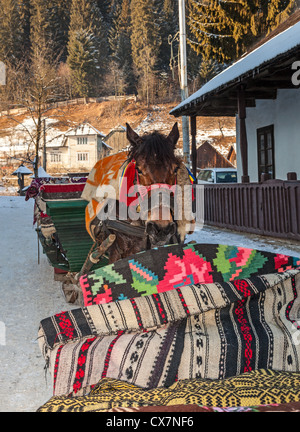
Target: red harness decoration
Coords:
[(130, 189)]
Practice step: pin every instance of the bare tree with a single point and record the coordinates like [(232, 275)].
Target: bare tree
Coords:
[(35, 86)]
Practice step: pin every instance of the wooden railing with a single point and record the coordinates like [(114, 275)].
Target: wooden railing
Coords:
[(271, 208)]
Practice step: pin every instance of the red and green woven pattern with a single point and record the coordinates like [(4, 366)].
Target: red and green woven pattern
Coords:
[(162, 269)]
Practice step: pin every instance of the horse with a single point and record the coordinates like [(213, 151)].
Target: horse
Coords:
[(152, 169)]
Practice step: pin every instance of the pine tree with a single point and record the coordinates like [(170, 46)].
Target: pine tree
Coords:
[(24, 12), (224, 30), (11, 32), (41, 31), (104, 7), (210, 26), (120, 44), (87, 46), (60, 25), (82, 62), (168, 27), (277, 12), (145, 42)]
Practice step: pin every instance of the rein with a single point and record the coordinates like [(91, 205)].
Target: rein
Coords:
[(126, 227)]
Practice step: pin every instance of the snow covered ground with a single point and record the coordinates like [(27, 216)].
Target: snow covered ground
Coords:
[(18, 138), (28, 294)]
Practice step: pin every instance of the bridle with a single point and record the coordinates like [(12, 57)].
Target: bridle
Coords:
[(142, 195)]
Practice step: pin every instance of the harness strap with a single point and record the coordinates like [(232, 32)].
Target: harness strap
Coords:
[(125, 227)]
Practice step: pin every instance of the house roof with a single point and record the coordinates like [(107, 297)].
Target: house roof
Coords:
[(84, 129), (264, 69), (208, 156), (42, 173), (108, 146), (114, 130), (22, 170)]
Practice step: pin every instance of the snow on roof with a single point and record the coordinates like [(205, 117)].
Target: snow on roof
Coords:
[(22, 170), (56, 141), (108, 146), (42, 173), (279, 44), (84, 129)]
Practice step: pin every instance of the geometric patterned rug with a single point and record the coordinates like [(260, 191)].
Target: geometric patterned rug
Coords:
[(251, 389)]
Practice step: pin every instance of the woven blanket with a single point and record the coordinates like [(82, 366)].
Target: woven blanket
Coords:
[(260, 390), (209, 330), (55, 192), (115, 171), (174, 266), (36, 184)]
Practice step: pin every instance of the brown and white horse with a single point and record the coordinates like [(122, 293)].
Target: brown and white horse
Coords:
[(153, 169)]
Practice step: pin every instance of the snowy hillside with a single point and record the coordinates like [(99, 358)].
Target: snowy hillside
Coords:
[(17, 133)]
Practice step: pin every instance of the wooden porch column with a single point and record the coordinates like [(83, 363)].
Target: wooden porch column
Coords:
[(194, 150), (243, 133)]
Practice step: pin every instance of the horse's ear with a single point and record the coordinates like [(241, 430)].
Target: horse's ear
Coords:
[(174, 135), (132, 136)]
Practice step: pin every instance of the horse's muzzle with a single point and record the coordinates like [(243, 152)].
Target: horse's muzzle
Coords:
[(160, 235)]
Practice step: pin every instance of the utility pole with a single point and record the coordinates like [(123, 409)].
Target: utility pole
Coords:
[(44, 146), (183, 80)]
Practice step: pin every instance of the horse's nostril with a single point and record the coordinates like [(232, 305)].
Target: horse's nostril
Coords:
[(172, 228), (151, 228)]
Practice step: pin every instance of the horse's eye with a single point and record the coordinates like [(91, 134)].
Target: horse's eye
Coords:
[(138, 170), (176, 169)]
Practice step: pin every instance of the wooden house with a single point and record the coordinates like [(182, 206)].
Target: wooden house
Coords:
[(116, 139), (78, 149), (209, 157), (262, 90)]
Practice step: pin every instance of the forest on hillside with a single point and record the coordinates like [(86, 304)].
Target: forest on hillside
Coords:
[(55, 50)]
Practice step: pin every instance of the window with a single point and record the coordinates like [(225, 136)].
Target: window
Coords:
[(55, 157), (226, 177), (82, 140), (265, 151), (206, 175), (82, 157)]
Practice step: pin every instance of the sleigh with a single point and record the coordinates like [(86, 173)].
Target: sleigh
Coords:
[(181, 327), (60, 224)]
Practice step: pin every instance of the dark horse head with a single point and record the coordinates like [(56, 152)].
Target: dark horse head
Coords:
[(156, 168)]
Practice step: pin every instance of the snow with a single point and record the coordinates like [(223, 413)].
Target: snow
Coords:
[(42, 173), (30, 294), (18, 138), (22, 170), (283, 42), (84, 129)]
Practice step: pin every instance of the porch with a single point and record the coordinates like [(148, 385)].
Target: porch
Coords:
[(271, 208), (267, 199)]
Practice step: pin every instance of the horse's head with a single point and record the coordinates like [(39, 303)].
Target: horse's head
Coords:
[(156, 166)]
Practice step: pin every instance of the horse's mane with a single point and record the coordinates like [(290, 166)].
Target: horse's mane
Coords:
[(153, 148)]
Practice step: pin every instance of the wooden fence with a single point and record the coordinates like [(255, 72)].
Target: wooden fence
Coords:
[(271, 208), (77, 101)]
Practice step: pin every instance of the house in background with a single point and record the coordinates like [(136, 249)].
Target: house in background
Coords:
[(262, 90), (209, 157), (116, 139), (78, 149)]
